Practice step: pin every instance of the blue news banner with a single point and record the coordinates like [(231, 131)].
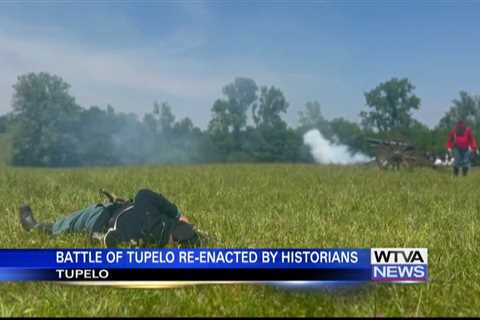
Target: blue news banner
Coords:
[(215, 265)]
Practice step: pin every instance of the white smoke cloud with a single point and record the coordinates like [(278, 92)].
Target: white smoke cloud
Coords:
[(324, 151)]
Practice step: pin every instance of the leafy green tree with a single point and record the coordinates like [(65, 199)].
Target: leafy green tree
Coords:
[(466, 108), (219, 124), (171, 141), (183, 127), (183, 141), (150, 119), (95, 145), (132, 140), (167, 119), (158, 134), (392, 103), (422, 137), (46, 120), (439, 140), (350, 134), (151, 123), (218, 129), (5, 139), (4, 122), (271, 132), (241, 94), (230, 114), (312, 118), (267, 113)]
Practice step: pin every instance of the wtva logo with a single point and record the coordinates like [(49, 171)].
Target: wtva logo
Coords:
[(399, 264)]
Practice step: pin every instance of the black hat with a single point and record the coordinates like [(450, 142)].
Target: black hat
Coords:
[(185, 234)]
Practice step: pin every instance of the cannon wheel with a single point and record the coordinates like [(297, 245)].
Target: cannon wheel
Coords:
[(418, 160), (392, 158)]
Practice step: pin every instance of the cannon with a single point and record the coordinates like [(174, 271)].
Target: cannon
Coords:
[(396, 154)]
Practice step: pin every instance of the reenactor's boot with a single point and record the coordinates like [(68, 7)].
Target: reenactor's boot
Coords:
[(29, 223), (465, 171)]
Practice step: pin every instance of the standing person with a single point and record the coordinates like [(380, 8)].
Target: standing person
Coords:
[(463, 144), (150, 219)]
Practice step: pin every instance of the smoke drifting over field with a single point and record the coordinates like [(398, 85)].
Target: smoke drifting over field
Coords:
[(324, 151)]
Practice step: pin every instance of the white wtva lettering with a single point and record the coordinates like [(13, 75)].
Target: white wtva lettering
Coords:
[(399, 256)]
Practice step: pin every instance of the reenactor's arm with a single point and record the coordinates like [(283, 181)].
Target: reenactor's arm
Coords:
[(112, 197)]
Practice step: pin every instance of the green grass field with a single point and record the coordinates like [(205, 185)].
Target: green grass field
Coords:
[(252, 206)]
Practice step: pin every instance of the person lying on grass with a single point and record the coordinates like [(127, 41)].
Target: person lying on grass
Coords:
[(148, 220)]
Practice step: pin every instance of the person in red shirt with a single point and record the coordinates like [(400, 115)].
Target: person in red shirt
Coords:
[(462, 142)]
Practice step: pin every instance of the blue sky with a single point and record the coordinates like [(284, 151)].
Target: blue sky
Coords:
[(129, 54)]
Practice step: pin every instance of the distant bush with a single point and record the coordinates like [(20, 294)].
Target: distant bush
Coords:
[(5, 149)]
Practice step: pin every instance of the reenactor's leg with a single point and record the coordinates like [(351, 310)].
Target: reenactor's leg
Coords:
[(79, 221), (455, 171), (466, 162), (83, 220), (457, 162)]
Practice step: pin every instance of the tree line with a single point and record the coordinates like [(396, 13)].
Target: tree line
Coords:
[(47, 127)]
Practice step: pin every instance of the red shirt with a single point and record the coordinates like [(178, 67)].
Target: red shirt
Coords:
[(461, 142)]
